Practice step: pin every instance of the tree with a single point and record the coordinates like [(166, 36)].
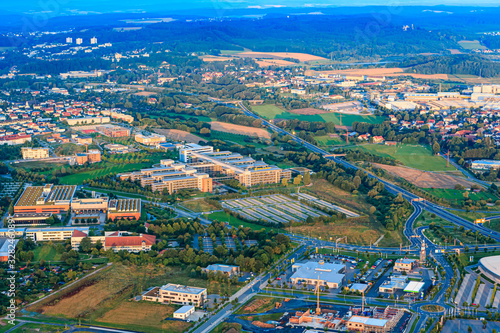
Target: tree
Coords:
[(86, 245), (284, 182), (297, 180), (356, 181), (436, 148), (307, 178)]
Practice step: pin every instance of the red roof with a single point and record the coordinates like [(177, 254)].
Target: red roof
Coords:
[(130, 240), (78, 233)]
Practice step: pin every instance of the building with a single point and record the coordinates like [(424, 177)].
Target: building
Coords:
[(226, 269), (185, 152), (395, 283), (414, 287), (485, 165), (121, 241), (84, 140), (170, 177), (124, 209), (45, 199), (405, 265), (18, 232), (14, 139), (78, 235), (30, 219), (367, 324), (90, 205), (113, 131), (184, 312), (177, 294), (87, 120), (7, 246), (328, 274), (35, 153), (92, 156), (53, 234), (150, 140), (490, 266), (93, 40), (69, 40), (79, 41)]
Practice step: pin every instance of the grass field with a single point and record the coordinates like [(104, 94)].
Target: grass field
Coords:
[(77, 179), (198, 206), (457, 196), (234, 138), (326, 140), (47, 253), (269, 111), (235, 222), (413, 156), (427, 218), (224, 327)]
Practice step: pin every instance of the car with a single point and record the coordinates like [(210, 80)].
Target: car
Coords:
[(278, 278)]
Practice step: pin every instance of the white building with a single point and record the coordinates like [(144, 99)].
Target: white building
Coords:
[(184, 312), (93, 40), (79, 41), (328, 274), (69, 40)]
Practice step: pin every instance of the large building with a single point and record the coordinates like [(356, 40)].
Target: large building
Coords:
[(367, 324), (35, 153), (490, 266), (121, 241), (7, 245), (226, 164), (90, 205), (30, 219), (177, 294), (328, 274), (87, 120), (45, 199), (405, 265), (170, 177), (113, 131), (124, 209), (92, 156), (53, 234), (150, 140)]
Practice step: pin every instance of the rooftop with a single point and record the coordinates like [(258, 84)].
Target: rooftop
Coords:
[(183, 289), (368, 321), (185, 309)]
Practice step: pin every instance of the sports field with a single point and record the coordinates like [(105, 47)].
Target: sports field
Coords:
[(78, 178), (269, 111), (413, 156)]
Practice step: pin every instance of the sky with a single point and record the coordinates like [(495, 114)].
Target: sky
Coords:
[(65, 7)]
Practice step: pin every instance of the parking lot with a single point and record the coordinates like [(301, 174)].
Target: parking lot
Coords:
[(275, 208)]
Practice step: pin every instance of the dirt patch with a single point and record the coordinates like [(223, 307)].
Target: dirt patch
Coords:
[(393, 71), (145, 93), (425, 179), (239, 129), (308, 111), (215, 58), (274, 62), (280, 55), (178, 135), (261, 324)]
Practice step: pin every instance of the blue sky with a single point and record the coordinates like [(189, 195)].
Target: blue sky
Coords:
[(61, 7)]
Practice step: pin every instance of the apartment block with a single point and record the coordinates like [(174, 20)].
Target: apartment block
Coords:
[(92, 156), (113, 131), (35, 153)]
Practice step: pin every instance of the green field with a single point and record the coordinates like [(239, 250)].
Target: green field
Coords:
[(77, 179), (47, 253), (235, 222), (457, 196), (174, 115), (234, 138), (269, 111), (471, 44), (413, 156), (326, 140)]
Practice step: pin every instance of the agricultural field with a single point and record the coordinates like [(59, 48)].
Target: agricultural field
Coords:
[(274, 208), (302, 57), (178, 135), (239, 139), (471, 45), (326, 140), (272, 112), (78, 178), (413, 156), (104, 299), (457, 196), (239, 129)]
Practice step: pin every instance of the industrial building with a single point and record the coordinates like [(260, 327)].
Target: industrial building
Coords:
[(45, 199), (90, 205), (312, 272), (177, 294), (35, 153), (124, 209)]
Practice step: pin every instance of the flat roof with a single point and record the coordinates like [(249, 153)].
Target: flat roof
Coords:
[(414, 287), (185, 309), (492, 264), (368, 321), (221, 268), (182, 289), (325, 272), (490, 162)]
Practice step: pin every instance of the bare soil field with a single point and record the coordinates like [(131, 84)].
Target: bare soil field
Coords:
[(239, 129), (145, 93), (178, 135), (215, 58), (394, 71), (274, 62), (425, 179), (354, 107), (303, 57), (308, 111)]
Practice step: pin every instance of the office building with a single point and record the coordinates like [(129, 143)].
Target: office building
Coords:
[(45, 199), (405, 265), (35, 153), (113, 131), (150, 140), (90, 205), (177, 294), (92, 156), (124, 209), (79, 41), (53, 233), (69, 40), (93, 40)]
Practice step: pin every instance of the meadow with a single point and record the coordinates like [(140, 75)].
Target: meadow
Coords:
[(413, 156), (457, 196), (78, 178), (269, 111), (326, 140), (235, 222)]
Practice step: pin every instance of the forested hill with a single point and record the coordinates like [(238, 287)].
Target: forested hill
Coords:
[(454, 64)]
